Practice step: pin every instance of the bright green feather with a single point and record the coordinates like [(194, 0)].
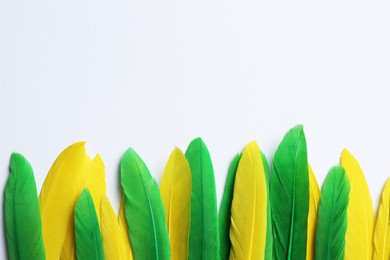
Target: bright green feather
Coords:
[(269, 238), (332, 216), (144, 210), (224, 211), (289, 194), (203, 241), (23, 226), (89, 243)]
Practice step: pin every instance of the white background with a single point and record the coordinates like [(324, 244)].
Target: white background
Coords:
[(155, 74)]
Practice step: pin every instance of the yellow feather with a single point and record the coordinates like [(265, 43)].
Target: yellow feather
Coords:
[(125, 234), (68, 248), (175, 189), (114, 246), (360, 212), (314, 197), (58, 196), (249, 207), (382, 227), (94, 180)]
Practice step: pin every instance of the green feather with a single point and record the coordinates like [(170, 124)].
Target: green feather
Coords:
[(269, 238), (224, 211), (332, 216), (89, 243), (289, 194), (23, 226), (203, 240), (144, 210)]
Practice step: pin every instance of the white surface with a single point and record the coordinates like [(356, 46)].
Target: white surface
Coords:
[(155, 74)]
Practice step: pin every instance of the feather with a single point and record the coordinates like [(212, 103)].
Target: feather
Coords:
[(224, 211), (89, 244), (144, 209), (94, 180), (289, 184), (23, 226), (58, 196), (382, 227), (314, 197), (332, 216), (175, 189), (360, 211), (204, 237), (249, 211), (124, 230), (114, 246)]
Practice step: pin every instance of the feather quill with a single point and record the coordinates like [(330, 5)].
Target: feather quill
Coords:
[(332, 216), (58, 197), (114, 246), (204, 237), (360, 211), (23, 226), (89, 244), (144, 209), (175, 189), (314, 198), (290, 184), (249, 211), (224, 211), (382, 226)]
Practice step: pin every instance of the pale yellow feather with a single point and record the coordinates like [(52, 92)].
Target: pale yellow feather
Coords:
[(58, 196), (360, 212), (175, 189), (382, 227), (314, 197), (123, 226), (114, 246), (249, 207)]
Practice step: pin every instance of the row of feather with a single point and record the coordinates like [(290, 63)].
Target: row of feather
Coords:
[(277, 215)]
